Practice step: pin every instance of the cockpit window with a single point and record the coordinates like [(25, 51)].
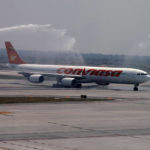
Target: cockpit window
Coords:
[(141, 74)]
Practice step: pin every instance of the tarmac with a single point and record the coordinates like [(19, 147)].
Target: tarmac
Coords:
[(120, 122)]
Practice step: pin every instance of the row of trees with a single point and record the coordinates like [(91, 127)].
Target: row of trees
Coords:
[(71, 58)]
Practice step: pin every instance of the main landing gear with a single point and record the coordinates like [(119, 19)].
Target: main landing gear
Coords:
[(78, 85), (58, 85), (136, 87)]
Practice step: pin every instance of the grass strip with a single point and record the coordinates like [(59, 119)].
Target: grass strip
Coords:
[(7, 100)]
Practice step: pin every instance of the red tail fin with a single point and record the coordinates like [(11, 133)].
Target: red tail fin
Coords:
[(13, 57)]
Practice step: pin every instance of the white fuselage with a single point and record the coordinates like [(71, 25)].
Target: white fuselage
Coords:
[(91, 74)]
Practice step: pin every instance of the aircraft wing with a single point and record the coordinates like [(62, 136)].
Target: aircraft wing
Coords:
[(27, 74)]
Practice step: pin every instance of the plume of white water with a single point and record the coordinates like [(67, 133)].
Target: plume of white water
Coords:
[(36, 37), (140, 49)]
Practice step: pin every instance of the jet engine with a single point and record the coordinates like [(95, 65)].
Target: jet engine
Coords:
[(68, 82), (36, 78)]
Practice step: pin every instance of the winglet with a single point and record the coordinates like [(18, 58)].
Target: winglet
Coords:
[(13, 57)]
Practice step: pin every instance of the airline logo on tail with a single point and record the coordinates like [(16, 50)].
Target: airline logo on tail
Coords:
[(13, 57)]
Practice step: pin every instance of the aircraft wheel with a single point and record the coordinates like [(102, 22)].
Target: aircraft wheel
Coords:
[(104, 84), (135, 88), (79, 85)]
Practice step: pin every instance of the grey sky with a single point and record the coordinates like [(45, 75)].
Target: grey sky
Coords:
[(104, 26)]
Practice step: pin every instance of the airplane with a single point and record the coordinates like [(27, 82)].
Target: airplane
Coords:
[(74, 76)]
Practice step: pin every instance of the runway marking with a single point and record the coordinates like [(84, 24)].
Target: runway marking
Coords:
[(29, 142), (76, 127), (20, 145), (138, 137), (53, 145)]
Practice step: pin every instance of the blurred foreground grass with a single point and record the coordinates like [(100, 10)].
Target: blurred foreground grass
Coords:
[(6, 100)]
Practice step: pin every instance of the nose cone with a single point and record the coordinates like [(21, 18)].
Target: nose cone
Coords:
[(146, 78)]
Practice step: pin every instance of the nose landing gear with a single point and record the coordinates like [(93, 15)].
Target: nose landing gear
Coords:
[(136, 87)]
